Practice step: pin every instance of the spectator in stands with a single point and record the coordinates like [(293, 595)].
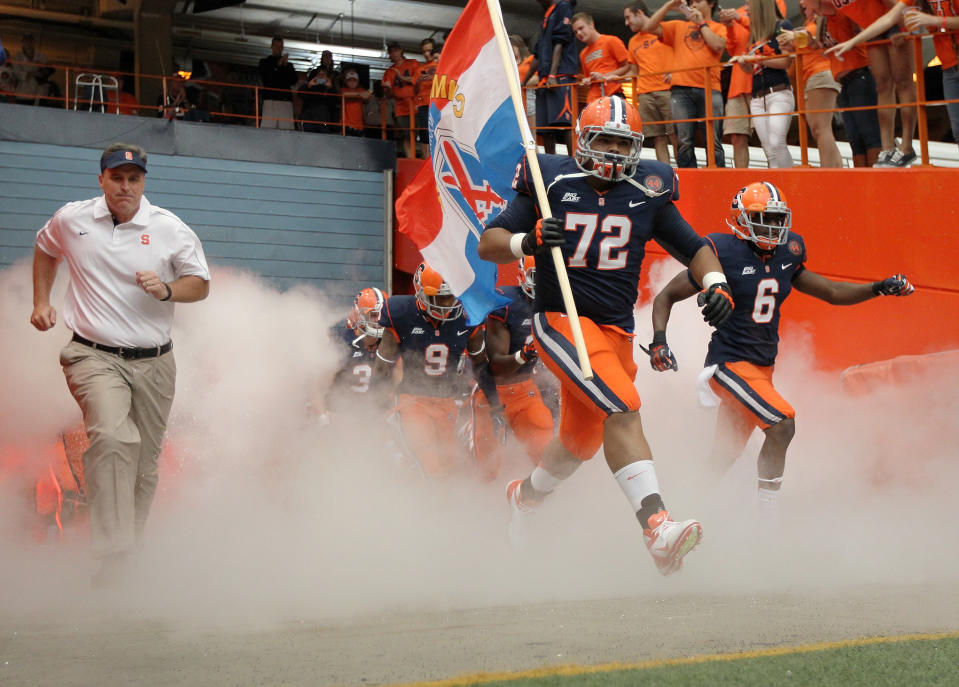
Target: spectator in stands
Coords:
[(31, 70), (604, 61), (891, 65), (423, 85), (858, 89), (181, 102), (321, 102), (374, 110), (651, 61), (354, 96), (128, 102), (557, 64), (277, 74), (773, 100), (526, 64), (818, 86), (398, 87), (739, 126), (939, 18), (326, 61), (697, 42)]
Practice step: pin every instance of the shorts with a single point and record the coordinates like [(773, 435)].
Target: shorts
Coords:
[(586, 405), (749, 388), (402, 131), (527, 416), (862, 126), (655, 107), (554, 105), (822, 79), (736, 106)]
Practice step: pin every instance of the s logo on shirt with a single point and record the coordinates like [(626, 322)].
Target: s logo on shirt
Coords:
[(145, 239)]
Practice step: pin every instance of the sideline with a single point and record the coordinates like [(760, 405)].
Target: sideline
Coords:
[(480, 678)]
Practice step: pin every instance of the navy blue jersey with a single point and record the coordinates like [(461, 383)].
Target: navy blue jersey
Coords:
[(431, 350), (606, 234), (557, 28), (759, 288), (356, 364), (518, 318)]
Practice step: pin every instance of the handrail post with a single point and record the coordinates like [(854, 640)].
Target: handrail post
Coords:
[(573, 114), (800, 92), (66, 89), (921, 100), (256, 106), (412, 127), (709, 135)]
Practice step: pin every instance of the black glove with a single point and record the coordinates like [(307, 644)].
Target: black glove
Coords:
[(548, 233), (500, 428), (527, 353), (896, 285), (660, 357), (717, 304)]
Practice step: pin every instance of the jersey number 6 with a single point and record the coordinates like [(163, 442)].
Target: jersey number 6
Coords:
[(765, 304)]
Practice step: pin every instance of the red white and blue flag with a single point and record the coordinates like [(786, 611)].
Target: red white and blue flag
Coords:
[(475, 142)]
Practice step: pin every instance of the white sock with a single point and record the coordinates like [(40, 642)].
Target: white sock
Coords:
[(769, 490), (542, 481), (638, 480)]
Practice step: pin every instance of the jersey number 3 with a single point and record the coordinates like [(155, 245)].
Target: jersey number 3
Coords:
[(611, 254)]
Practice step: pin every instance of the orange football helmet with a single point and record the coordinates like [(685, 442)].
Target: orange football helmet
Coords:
[(429, 286), (365, 317), (608, 116), (527, 276), (759, 213)]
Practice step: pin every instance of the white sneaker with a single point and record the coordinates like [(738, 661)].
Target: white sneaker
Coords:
[(520, 512), (885, 159), (669, 541)]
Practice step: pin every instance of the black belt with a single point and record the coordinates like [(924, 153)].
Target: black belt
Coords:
[(763, 92), (127, 353)]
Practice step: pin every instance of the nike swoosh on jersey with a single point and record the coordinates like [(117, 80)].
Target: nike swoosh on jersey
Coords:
[(636, 205), (462, 332), (787, 265)]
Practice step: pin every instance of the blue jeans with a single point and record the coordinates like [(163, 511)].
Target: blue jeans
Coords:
[(950, 90), (862, 126), (688, 103)]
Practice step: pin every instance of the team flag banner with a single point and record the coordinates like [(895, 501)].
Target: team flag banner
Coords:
[(475, 143)]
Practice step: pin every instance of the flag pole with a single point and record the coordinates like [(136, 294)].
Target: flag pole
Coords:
[(512, 78)]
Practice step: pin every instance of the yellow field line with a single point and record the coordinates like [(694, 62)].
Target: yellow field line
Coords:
[(480, 678)]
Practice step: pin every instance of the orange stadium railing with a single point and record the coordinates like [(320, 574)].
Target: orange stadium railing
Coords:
[(73, 99)]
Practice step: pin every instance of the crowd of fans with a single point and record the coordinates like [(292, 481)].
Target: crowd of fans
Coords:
[(663, 69)]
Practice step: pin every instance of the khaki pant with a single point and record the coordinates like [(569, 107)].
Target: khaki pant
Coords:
[(125, 405), (277, 114)]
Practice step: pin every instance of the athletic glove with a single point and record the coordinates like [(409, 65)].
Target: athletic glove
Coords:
[(526, 353), (716, 303), (500, 428), (660, 357), (896, 285), (548, 233)]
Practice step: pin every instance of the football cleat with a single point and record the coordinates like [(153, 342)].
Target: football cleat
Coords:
[(608, 116), (520, 512), (759, 214), (669, 541)]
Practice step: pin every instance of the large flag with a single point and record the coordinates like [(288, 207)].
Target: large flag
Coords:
[(475, 143)]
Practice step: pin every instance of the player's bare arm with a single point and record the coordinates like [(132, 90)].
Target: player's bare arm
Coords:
[(44, 316), (476, 348), (386, 355), (497, 349), (678, 289), (849, 293)]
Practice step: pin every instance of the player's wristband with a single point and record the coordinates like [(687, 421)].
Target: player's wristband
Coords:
[(385, 360), (169, 292), (516, 246), (518, 357), (711, 278), (478, 351)]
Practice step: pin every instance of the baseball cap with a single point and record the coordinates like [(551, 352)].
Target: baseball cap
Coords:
[(351, 75), (122, 157)]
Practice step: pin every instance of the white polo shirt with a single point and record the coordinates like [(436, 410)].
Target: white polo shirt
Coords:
[(103, 301)]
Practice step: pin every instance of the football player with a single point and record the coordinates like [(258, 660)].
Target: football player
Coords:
[(355, 339), (765, 261), (428, 331), (512, 356), (607, 204)]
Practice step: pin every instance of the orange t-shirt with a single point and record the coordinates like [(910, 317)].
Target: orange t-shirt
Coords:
[(838, 29), (423, 82), (737, 43), (813, 61), (690, 51), (863, 12), (353, 107), (128, 104), (650, 56), (523, 68), (947, 44), (605, 54), (402, 91)]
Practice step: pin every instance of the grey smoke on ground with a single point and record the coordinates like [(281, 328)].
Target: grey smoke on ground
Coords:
[(264, 516)]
